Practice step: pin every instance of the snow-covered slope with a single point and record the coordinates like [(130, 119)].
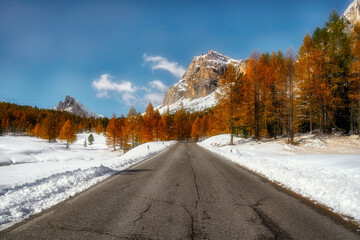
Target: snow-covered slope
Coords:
[(36, 174), (74, 106), (195, 89), (325, 169), (195, 105)]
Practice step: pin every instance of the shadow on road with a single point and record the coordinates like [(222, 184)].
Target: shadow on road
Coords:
[(132, 171)]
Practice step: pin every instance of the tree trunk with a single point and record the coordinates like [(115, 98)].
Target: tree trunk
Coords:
[(311, 128)]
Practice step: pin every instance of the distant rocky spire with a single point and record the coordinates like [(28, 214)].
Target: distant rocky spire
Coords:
[(74, 106)]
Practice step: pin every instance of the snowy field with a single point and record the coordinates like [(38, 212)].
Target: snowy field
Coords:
[(325, 169), (36, 174)]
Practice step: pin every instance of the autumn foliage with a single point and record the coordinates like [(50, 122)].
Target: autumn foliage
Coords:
[(279, 94), (67, 133)]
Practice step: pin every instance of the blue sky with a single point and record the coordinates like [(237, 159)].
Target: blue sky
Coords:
[(114, 54)]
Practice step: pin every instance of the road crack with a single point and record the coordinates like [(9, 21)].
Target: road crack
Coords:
[(266, 221), (142, 214), (195, 232)]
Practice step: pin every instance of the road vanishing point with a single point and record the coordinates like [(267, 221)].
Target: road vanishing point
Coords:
[(185, 192)]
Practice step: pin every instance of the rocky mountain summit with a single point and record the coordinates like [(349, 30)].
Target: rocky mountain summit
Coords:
[(201, 78), (74, 106), (352, 13)]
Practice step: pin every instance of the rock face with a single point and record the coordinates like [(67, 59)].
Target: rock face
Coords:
[(74, 106), (201, 78), (352, 13)]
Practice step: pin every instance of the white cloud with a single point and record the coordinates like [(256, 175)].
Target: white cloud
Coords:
[(155, 92), (129, 98), (158, 62), (158, 85), (155, 98), (105, 85)]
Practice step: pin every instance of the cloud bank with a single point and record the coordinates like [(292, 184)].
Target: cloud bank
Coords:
[(105, 86), (158, 62), (155, 92)]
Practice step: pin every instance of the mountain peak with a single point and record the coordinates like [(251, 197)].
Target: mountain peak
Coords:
[(201, 78), (352, 13), (74, 106)]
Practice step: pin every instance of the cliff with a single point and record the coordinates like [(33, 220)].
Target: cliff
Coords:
[(201, 78)]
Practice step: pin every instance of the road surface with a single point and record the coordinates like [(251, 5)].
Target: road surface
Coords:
[(184, 192)]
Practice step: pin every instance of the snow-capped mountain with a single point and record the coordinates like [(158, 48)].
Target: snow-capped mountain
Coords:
[(352, 13), (74, 106), (195, 91)]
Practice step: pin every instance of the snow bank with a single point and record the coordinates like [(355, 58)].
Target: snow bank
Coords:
[(39, 175), (325, 169)]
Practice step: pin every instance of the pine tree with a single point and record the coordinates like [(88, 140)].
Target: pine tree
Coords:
[(91, 139), (67, 133)]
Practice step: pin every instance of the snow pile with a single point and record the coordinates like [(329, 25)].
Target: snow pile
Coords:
[(40, 174), (325, 169)]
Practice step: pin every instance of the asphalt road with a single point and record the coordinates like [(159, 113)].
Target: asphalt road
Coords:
[(184, 192)]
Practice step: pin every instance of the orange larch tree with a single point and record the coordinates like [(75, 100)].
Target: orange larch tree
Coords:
[(67, 133), (131, 124), (195, 130), (49, 128), (229, 98), (149, 124), (111, 133)]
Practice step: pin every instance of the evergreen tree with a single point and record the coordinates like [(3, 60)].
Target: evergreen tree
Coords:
[(91, 139)]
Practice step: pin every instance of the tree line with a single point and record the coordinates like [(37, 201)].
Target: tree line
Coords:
[(45, 123), (317, 88), (120, 132)]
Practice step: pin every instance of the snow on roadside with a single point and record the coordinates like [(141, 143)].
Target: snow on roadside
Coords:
[(41, 174), (324, 169)]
